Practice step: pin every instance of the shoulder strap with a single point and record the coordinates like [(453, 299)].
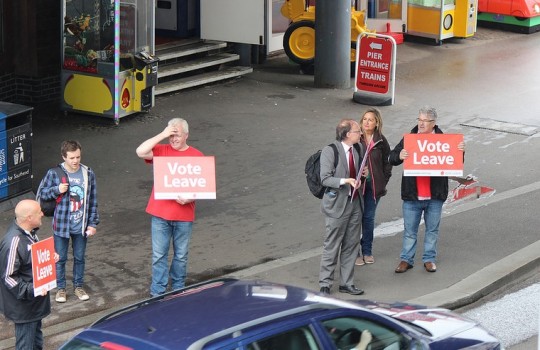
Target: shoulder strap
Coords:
[(359, 147), (59, 171), (336, 154)]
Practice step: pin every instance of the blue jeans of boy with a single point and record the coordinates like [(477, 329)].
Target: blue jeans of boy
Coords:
[(368, 220), (163, 232), (61, 245), (412, 214)]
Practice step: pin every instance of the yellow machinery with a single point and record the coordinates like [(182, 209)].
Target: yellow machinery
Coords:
[(434, 19), (299, 38), (438, 19)]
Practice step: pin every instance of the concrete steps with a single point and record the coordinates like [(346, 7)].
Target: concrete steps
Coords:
[(185, 64)]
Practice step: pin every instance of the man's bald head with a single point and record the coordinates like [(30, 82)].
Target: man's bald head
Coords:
[(28, 214)]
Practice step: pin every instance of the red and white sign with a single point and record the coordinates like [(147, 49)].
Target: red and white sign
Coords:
[(433, 155), (43, 266), (187, 177), (374, 64)]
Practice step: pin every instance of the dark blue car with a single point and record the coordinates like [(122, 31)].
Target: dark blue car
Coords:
[(255, 315)]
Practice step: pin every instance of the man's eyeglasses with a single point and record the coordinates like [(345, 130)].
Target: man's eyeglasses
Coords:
[(425, 120), (356, 131)]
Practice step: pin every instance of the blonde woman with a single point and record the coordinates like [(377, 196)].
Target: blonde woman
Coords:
[(374, 187)]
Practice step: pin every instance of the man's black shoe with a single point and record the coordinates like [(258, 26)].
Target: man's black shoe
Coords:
[(325, 290), (351, 290)]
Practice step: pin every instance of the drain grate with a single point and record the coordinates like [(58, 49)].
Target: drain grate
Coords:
[(511, 128)]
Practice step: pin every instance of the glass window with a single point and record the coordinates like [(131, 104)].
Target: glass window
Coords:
[(77, 344), (279, 22), (432, 3), (89, 33), (296, 339), (346, 333)]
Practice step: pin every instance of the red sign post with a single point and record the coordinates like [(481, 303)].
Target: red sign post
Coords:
[(375, 69), (374, 64), (43, 266)]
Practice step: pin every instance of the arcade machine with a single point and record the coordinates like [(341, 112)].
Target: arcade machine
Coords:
[(108, 67), (441, 19), (435, 19)]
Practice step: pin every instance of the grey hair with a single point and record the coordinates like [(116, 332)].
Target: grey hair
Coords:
[(181, 122), (429, 111)]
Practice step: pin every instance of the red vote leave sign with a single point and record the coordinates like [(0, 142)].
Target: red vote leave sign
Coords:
[(187, 177), (433, 155), (43, 266)]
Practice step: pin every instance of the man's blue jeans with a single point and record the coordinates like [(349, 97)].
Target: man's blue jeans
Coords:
[(412, 214), (28, 336), (163, 231), (61, 245), (368, 220)]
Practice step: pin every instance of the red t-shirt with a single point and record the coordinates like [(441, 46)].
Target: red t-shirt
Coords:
[(423, 185), (168, 209)]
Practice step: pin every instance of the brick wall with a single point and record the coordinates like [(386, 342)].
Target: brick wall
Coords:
[(29, 90), (32, 91), (30, 65), (7, 87)]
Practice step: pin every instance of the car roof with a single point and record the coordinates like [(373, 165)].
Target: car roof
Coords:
[(193, 316)]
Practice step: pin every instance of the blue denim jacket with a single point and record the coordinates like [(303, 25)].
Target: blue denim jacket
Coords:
[(50, 190)]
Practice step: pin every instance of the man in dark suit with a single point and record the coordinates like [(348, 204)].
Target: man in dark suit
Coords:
[(342, 208)]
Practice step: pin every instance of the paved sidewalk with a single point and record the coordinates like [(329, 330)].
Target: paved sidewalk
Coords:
[(265, 224), (450, 287)]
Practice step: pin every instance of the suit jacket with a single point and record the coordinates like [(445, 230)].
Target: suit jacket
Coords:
[(335, 198)]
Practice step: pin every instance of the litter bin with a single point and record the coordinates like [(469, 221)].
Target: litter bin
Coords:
[(15, 153)]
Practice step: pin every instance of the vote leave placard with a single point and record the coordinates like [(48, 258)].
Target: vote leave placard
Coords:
[(188, 177), (433, 155), (43, 266)]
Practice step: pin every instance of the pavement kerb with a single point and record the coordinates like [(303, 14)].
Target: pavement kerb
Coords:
[(462, 293), (62, 327), (484, 281), (465, 292)]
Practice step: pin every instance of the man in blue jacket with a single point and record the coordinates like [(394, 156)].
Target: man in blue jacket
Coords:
[(75, 217), (17, 300)]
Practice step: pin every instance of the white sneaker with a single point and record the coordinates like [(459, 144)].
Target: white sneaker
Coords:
[(60, 296), (369, 259), (81, 294)]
